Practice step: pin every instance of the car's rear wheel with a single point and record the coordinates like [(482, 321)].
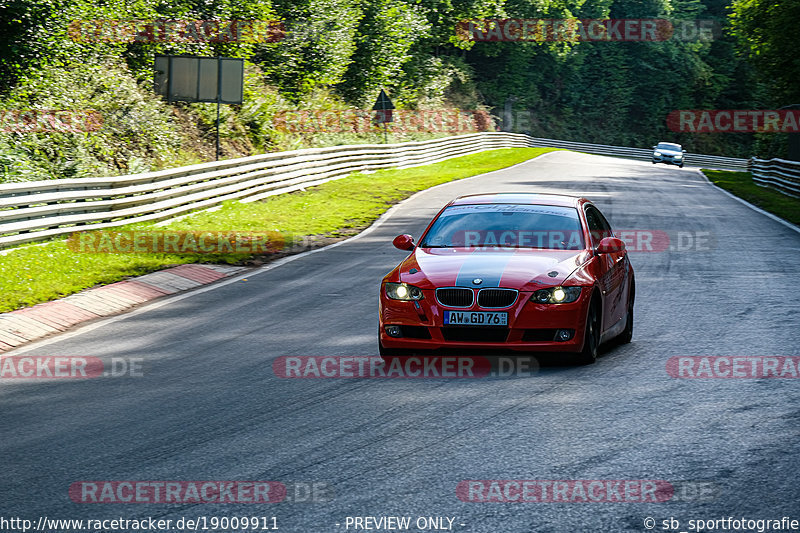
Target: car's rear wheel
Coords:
[(591, 337)]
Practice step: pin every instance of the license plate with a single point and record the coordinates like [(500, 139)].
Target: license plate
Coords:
[(475, 318)]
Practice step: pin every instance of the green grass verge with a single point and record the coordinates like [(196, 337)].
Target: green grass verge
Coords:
[(741, 184), (38, 273)]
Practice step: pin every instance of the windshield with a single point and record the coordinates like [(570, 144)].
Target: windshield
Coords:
[(669, 146), (506, 226)]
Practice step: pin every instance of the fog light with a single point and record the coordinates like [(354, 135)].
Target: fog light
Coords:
[(393, 331), (564, 334)]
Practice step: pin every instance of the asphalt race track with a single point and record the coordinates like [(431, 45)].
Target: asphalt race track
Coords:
[(209, 406)]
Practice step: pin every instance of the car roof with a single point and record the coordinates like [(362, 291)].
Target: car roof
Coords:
[(526, 198)]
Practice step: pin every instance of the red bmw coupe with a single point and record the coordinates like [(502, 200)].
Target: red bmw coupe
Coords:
[(519, 271)]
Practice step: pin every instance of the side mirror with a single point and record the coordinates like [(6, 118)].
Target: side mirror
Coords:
[(654, 147), (404, 242), (684, 151), (610, 245)]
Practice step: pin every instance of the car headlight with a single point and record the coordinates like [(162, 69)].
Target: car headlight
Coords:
[(403, 291), (678, 156), (556, 295), (657, 154)]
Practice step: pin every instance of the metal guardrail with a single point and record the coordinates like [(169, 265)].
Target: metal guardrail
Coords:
[(38, 210), (644, 154), (778, 174)]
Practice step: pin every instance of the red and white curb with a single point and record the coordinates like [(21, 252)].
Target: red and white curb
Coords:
[(25, 325)]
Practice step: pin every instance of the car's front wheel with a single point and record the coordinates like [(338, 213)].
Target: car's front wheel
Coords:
[(591, 337), (627, 334)]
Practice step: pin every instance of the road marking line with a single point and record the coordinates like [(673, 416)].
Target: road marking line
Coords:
[(776, 218)]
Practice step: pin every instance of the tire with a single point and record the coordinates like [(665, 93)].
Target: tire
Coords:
[(680, 166), (591, 337), (627, 334), (654, 162)]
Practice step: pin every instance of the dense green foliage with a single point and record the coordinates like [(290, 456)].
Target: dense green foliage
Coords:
[(766, 32), (337, 54)]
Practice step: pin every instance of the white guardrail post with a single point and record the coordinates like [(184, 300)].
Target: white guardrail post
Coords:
[(38, 210)]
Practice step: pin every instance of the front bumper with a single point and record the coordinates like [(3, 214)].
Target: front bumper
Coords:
[(670, 160), (531, 326)]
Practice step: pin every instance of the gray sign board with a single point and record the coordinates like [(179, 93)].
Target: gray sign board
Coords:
[(199, 79)]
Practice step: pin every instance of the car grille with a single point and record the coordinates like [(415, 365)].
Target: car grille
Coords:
[(474, 334), (455, 297), (496, 298)]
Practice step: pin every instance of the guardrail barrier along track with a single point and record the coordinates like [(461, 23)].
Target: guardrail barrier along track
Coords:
[(38, 210), (644, 154), (778, 174)]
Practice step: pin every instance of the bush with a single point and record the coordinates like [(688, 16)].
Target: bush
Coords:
[(137, 132)]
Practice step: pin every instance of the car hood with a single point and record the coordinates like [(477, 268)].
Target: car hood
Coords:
[(522, 269)]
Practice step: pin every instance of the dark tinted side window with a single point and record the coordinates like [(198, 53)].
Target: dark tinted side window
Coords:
[(598, 225), (605, 223)]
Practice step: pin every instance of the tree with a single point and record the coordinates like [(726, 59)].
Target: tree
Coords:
[(766, 30)]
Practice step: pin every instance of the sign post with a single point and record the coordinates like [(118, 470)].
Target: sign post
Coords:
[(200, 79), (383, 112)]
